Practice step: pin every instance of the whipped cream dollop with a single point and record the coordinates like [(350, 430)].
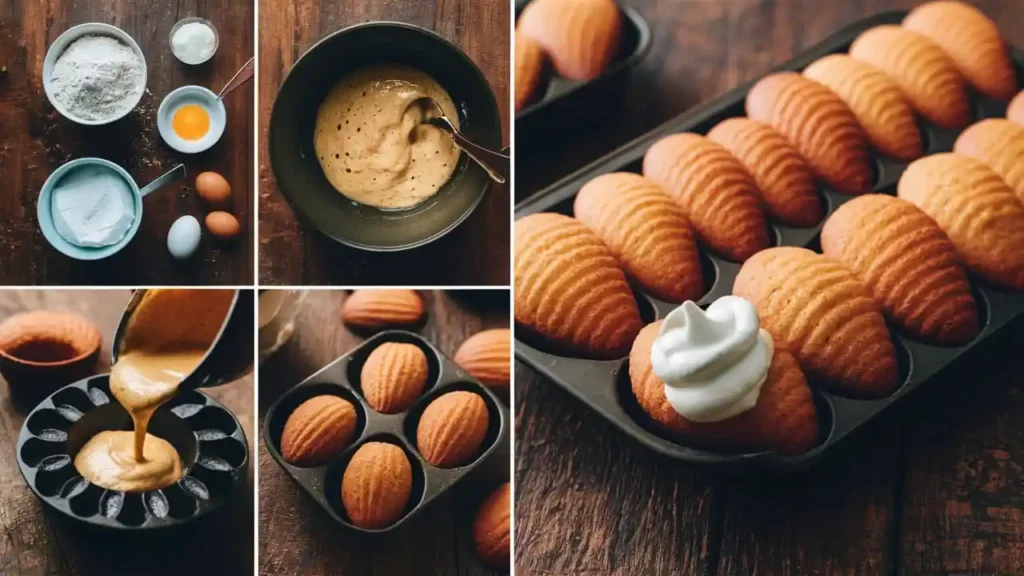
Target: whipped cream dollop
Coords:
[(713, 363)]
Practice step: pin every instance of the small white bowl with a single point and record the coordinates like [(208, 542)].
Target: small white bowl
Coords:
[(191, 95), (189, 20), (61, 44)]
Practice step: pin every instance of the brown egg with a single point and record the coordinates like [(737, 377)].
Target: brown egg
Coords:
[(213, 188), (222, 225)]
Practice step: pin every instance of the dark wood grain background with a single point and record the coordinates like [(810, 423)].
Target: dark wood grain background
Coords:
[(297, 538), (291, 253), (35, 140), (37, 542), (935, 488)]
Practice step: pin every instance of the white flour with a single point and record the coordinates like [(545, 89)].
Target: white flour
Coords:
[(97, 77)]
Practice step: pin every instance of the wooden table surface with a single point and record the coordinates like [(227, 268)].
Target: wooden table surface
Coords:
[(35, 140), (935, 488), (37, 542), (298, 538), (291, 253)]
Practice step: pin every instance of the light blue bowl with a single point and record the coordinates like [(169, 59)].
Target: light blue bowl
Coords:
[(45, 214)]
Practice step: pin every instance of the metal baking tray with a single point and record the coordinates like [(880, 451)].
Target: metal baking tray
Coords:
[(605, 386), (341, 378)]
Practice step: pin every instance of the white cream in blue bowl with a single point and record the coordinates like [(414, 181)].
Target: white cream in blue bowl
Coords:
[(89, 209)]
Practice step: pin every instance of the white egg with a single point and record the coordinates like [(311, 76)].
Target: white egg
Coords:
[(183, 237)]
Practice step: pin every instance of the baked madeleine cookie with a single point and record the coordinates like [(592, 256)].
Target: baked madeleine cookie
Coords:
[(529, 70), (784, 419), (715, 191), (784, 179), (977, 210), (581, 37), (819, 124), (999, 144), (647, 232), (827, 318), (1015, 111), (972, 40), (925, 73), (875, 99), (569, 288), (909, 265)]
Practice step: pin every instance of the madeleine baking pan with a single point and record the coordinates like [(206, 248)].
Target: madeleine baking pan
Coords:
[(341, 378), (605, 386), (206, 435), (567, 103)]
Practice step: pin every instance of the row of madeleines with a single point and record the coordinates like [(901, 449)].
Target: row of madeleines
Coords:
[(823, 316)]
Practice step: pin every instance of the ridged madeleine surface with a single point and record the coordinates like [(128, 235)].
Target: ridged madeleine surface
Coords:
[(817, 308), (581, 37), (646, 231), (393, 376), (529, 70), (487, 355), (452, 429), (783, 177), (819, 124), (1015, 111), (977, 210), (569, 288), (999, 144), (715, 191), (972, 40), (925, 73), (908, 263), (784, 419), (875, 99), (376, 485)]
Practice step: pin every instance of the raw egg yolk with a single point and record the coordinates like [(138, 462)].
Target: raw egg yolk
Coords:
[(191, 122)]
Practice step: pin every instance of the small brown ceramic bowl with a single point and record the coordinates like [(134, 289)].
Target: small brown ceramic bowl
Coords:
[(41, 351)]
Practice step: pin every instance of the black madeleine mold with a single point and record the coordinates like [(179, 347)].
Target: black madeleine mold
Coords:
[(604, 384), (206, 435), (341, 378)]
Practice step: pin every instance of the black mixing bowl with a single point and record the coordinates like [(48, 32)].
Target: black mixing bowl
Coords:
[(293, 119)]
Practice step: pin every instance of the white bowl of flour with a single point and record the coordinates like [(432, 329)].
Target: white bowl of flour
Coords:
[(94, 74)]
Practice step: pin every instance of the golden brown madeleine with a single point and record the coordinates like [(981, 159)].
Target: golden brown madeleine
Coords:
[(529, 70), (783, 177), (581, 37), (784, 419), (647, 232), (972, 40), (569, 288), (999, 144), (1015, 111), (817, 308), (875, 99), (715, 191), (909, 265), (925, 73), (819, 124), (977, 210)]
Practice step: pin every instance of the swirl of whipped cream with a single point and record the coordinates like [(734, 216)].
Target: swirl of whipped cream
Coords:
[(713, 363)]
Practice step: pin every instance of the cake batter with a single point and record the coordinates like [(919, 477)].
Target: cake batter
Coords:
[(167, 337), (371, 142)]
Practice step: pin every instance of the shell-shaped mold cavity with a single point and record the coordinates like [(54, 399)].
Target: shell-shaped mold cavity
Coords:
[(209, 422)]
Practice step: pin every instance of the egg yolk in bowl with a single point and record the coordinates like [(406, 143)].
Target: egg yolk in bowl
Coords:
[(191, 122)]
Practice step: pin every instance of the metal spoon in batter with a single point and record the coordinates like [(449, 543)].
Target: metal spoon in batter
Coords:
[(494, 163)]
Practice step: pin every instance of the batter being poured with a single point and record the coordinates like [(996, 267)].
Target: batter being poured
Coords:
[(166, 338), (372, 144)]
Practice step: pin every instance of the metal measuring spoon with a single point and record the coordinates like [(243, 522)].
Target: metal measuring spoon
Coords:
[(172, 175), (241, 77), (494, 163)]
